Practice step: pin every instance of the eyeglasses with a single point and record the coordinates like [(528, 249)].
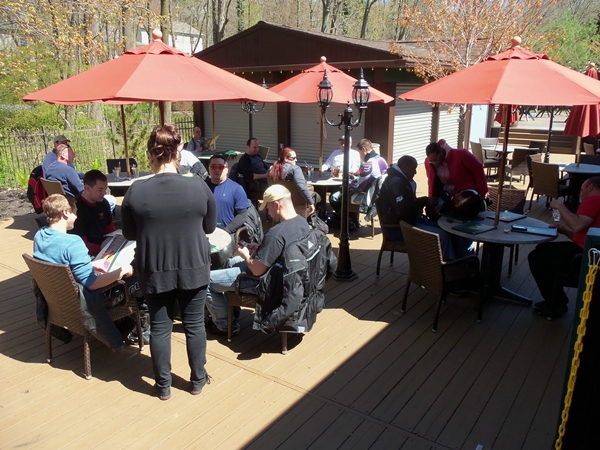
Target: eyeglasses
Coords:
[(218, 166), (293, 157)]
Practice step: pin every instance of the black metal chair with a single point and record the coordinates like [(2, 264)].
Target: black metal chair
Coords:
[(119, 162)]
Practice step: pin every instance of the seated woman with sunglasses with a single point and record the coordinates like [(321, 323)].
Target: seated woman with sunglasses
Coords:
[(285, 168)]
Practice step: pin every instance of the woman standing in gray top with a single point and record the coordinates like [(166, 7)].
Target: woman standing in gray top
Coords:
[(169, 216), (285, 168)]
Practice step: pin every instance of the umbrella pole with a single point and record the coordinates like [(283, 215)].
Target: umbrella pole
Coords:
[(321, 146), (506, 117), (125, 141), (214, 127), (161, 110), (547, 155)]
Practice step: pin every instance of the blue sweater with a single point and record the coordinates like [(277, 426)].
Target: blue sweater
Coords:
[(61, 248), (68, 176)]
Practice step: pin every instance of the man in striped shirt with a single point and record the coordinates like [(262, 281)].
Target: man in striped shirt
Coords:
[(53, 244)]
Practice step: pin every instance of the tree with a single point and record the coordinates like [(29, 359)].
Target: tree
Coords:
[(455, 34), (368, 6), (220, 18)]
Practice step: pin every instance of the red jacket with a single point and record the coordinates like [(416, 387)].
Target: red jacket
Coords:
[(465, 170)]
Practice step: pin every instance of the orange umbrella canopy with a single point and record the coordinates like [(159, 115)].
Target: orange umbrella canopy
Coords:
[(154, 72), (584, 120), (514, 77), (303, 87)]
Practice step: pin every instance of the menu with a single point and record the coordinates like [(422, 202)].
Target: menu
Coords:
[(116, 251)]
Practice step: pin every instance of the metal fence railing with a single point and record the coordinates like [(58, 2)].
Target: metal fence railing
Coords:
[(20, 152)]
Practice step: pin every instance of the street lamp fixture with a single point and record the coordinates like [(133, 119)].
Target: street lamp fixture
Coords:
[(251, 108), (360, 97)]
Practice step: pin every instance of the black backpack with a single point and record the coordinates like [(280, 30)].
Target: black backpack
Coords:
[(292, 291), (35, 189)]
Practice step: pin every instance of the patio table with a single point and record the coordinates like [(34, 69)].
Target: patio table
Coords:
[(579, 173), (322, 184), (493, 250), (119, 187)]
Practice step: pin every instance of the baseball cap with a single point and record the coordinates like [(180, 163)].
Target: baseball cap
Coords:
[(274, 192), (61, 138), (343, 138)]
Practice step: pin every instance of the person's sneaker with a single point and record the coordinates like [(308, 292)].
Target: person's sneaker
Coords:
[(163, 393), (539, 305), (235, 328), (551, 313), (196, 390)]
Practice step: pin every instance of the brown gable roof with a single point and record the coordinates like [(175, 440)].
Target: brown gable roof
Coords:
[(271, 47)]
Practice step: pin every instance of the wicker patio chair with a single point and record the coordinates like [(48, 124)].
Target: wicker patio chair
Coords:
[(513, 200), (547, 182), (589, 149), (388, 245), (428, 269), (518, 165), (488, 163), (62, 296), (589, 159), (490, 142), (55, 187)]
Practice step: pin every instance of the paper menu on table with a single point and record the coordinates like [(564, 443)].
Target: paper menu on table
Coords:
[(116, 252)]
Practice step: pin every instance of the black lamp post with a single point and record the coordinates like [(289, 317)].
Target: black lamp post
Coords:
[(252, 108), (360, 96)]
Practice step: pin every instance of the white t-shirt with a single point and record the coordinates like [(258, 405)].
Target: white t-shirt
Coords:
[(337, 159)]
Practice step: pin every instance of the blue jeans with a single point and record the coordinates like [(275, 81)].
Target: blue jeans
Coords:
[(224, 281), (191, 305)]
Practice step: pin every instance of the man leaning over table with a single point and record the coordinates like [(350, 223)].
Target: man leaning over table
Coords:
[(552, 258), (289, 228)]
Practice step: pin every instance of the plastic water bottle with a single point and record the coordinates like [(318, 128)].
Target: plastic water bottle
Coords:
[(556, 215)]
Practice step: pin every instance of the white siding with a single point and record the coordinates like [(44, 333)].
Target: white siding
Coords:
[(232, 126), (412, 126), (305, 129), (449, 125)]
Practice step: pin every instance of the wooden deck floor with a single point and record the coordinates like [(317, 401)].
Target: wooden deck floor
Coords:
[(367, 376)]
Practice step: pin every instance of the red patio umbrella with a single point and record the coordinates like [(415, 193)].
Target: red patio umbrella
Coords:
[(514, 77), (302, 88), (584, 120), (154, 72)]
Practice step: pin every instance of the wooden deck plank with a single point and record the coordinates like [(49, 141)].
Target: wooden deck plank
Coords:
[(366, 376)]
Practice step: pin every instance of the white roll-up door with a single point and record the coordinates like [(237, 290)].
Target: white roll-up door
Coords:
[(232, 126), (449, 124), (305, 129), (412, 126)]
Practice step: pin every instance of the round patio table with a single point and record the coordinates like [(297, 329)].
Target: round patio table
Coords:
[(493, 250), (322, 184)]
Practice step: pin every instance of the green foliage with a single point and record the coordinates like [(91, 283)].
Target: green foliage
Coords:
[(138, 120), (570, 41), (97, 164), (22, 178)]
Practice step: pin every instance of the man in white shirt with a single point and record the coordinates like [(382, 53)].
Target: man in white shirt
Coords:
[(336, 159)]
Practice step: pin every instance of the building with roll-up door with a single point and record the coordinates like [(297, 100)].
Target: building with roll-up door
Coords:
[(277, 52)]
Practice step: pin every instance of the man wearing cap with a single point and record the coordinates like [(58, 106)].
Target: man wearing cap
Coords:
[(336, 159), (289, 228), (51, 156), (62, 170)]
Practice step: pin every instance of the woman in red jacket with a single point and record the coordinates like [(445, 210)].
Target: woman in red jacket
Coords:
[(453, 171)]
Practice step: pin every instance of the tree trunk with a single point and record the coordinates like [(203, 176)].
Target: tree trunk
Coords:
[(368, 5)]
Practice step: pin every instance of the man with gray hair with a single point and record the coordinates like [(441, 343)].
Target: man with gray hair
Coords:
[(398, 202)]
